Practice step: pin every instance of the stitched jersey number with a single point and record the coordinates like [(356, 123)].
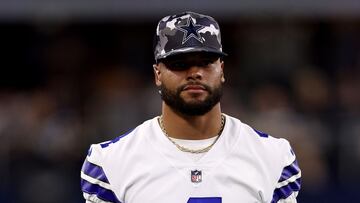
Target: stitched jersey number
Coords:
[(204, 200)]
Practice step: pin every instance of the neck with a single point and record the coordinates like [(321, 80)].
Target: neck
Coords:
[(192, 127)]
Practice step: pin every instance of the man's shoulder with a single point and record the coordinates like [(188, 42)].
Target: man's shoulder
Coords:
[(257, 139), (124, 142)]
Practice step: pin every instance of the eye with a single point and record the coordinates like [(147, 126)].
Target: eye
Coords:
[(206, 62), (178, 65)]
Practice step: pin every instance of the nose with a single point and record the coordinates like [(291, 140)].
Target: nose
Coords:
[(194, 73)]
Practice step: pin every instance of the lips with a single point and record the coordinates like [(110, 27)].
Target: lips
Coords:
[(194, 87)]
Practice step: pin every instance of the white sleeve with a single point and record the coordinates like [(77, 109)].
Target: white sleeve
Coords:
[(95, 185), (289, 183), (290, 199)]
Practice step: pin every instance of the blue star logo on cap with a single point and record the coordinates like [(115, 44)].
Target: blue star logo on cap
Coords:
[(190, 30)]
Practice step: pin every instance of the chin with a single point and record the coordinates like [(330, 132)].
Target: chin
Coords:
[(194, 101)]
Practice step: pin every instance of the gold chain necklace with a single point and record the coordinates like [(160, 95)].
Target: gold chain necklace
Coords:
[(193, 151)]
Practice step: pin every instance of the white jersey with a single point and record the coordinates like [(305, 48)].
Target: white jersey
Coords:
[(141, 166)]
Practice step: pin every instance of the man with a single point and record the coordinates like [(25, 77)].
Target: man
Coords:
[(192, 153)]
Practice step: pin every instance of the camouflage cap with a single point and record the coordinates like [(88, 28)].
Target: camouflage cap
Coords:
[(187, 32)]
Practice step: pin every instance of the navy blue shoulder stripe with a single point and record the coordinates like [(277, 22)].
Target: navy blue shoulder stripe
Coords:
[(261, 134), (288, 188), (289, 171), (94, 171), (103, 145), (285, 191), (100, 192)]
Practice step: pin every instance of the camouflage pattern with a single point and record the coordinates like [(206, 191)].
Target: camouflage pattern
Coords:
[(187, 32)]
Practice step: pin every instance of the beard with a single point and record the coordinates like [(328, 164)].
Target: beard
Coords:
[(191, 108)]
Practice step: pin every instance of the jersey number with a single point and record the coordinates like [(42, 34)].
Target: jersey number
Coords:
[(204, 200)]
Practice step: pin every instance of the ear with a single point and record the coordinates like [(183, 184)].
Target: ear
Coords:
[(222, 72), (157, 74)]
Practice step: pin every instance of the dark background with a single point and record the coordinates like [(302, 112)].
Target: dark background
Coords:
[(80, 72)]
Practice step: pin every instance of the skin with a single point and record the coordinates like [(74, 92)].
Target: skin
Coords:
[(188, 127)]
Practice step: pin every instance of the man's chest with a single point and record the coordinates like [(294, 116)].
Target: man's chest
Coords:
[(163, 183)]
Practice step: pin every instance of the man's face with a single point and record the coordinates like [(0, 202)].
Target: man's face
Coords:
[(190, 84)]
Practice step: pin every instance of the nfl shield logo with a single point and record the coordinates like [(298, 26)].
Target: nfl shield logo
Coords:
[(196, 176)]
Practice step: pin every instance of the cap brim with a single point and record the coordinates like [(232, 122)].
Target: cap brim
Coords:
[(191, 50)]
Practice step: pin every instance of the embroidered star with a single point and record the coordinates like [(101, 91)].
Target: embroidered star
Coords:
[(190, 30)]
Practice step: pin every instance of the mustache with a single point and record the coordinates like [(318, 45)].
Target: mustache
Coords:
[(204, 86)]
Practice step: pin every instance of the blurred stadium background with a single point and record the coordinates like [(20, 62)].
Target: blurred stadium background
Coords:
[(80, 72)]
